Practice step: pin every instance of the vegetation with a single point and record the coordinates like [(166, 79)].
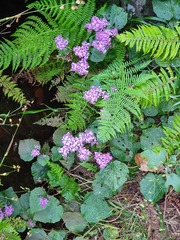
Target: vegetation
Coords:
[(116, 77)]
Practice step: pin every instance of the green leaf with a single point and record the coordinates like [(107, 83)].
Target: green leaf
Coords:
[(152, 187), (151, 137), (43, 159), (36, 234), (69, 188), (96, 56), (110, 233), (39, 172), (74, 221), (123, 147), (150, 111), (167, 9), (69, 161), (56, 235), (117, 16), (25, 148), (154, 159), (95, 208), (57, 136), (34, 202), (24, 202), (113, 176), (51, 214), (56, 156), (9, 197), (173, 180)]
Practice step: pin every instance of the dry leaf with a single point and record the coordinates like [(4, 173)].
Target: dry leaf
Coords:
[(142, 163)]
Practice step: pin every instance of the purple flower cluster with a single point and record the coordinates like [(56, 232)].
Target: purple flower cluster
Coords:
[(43, 202), (61, 43), (102, 159), (103, 36), (35, 152), (103, 39), (80, 67), (97, 24), (31, 223), (76, 144), (81, 52), (94, 93), (8, 210)]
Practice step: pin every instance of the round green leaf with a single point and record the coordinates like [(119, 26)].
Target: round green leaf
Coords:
[(74, 221), (95, 208), (152, 187), (25, 148)]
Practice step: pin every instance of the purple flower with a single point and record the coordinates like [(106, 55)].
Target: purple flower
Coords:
[(100, 46), (80, 67), (8, 210), (102, 158), (89, 137), (1, 214), (94, 93), (61, 43), (82, 51), (113, 88), (97, 24), (43, 201), (35, 152), (31, 223), (83, 154)]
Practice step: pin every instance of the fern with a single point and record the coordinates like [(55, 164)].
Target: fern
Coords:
[(153, 91), (80, 113), (55, 169), (7, 231), (134, 91), (172, 140), (11, 89), (33, 42), (89, 166), (160, 42)]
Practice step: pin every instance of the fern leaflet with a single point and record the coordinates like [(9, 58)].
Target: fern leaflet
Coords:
[(160, 42), (11, 89)]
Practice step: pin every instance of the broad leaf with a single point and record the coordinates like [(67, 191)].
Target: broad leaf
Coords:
[(113, 176), (95, 208), (167, 9), (9, 197), (96, 56), (25, 148), (117, 16), (151, 138), (38, 172), (154, 159), (74, 221), (36, 234), (51, 214), (173, 180), (56, 235), (152, 187)]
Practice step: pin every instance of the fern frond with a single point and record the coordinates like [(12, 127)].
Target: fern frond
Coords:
[(151, 91), (11, 89), (172, 140), (80, 112), (160, 42), (7, 231), (71, 23), (55, 169), (33, 42), (117, 110)]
